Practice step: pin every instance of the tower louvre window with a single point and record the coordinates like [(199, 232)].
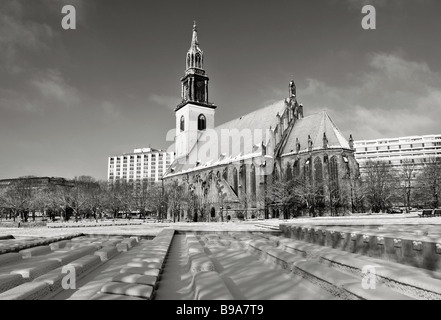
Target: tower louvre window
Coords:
[(182, 123), (202, 122)]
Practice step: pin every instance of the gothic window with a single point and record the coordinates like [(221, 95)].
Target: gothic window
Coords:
[(318, 169), (333, 175), (243, 179), (296, 169), (198, 60), (202, 122), (253, 183), (188, 61), (182, 123), (307, 170), (235, 181), (225, 174), (288, 172), (276, 174)]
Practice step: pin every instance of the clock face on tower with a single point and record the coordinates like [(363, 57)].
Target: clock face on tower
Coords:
[(200, 84)]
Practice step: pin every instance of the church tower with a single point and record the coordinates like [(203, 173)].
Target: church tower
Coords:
[(194, 114)]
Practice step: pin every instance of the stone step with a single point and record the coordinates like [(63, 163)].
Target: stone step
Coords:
[(208, 285), (27, 291), (10, 257), (142, 271), (86, 263), (65, 257), (379, 293), (9, 281), (129, 289), (35, 251), (136, 278), (106, 253), (105, 296), (411, 281), (31, 270)]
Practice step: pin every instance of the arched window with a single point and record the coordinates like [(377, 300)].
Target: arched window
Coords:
[(202, 122), (253, 184), (182, 123), (188, 61), (333, 175), (276, 173), (307, 170), (243, 179), (318, 170), (296, 169), (235, 181), (198, 60), (288, 172), (225, 174)]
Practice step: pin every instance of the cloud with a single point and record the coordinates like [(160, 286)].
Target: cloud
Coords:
[(20, 35), (395, 97), (110, 110), (166, 101), (52, 86)]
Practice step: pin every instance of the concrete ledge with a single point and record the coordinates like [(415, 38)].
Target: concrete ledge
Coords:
[(379, 293), (105, 296), (86, 263), (149, 259), (36, 251), (210, 286), (35, 270), (326, 278), (65, 257), (9, 281), (201, 262), (122, 247), (58, 245), (129, 289), (153, 265), (136, 278), (131, 242), (106, 253), (411, 281), (141, 271), (282, 258), (10, 257), (27, 291)]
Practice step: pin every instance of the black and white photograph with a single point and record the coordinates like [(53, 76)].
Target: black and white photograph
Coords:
[(220, 155)]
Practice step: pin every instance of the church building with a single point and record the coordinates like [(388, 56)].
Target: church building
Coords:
[(226, 172)]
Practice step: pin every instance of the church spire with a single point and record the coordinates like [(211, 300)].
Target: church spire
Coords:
[(194, 40), (195, 81), (195, 56)]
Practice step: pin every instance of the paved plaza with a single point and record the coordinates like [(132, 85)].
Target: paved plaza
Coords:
[(248, 260)]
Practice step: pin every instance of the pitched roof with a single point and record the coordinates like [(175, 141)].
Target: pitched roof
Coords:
[(254, 128), (248, 130), (314, 126)]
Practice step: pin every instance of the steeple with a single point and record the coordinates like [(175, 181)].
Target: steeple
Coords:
[(195, 113), (194, 40), (195, 81), (195, 56)]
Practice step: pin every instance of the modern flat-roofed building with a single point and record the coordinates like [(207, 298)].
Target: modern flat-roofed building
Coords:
[(394, 151), (142, 165)]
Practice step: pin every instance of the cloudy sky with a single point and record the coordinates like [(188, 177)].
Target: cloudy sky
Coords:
[(71, 98)]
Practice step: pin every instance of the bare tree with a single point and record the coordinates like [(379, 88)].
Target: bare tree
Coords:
[(407, 174), (380, 185), (430, 181)]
